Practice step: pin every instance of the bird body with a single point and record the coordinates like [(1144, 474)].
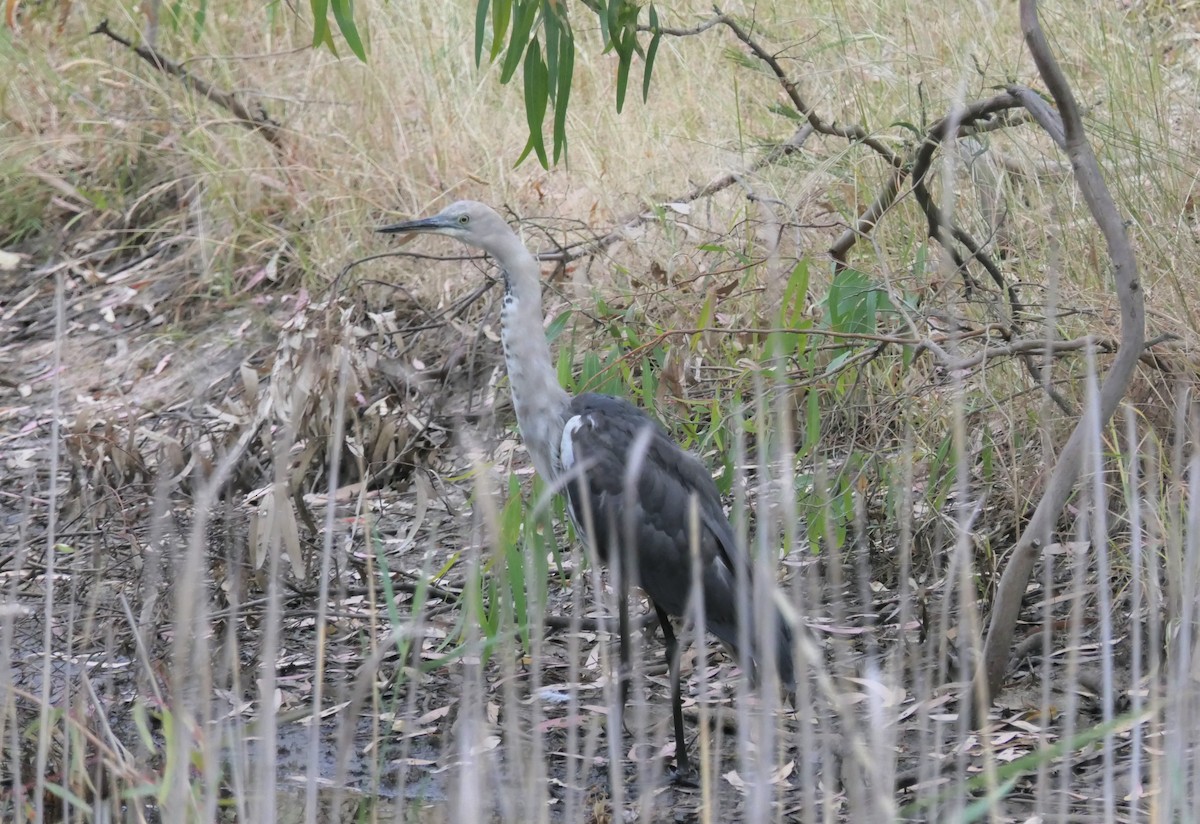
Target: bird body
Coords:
[(586, 443), (657, 519)]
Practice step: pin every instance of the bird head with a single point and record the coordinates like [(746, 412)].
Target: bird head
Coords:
[(467, 221)]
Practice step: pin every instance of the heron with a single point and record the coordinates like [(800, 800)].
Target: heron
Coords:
[(584, 446)]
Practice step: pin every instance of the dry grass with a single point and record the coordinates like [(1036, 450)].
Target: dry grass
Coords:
[(254, 485)]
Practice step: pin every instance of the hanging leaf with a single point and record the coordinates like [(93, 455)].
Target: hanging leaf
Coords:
[(536, 95), (566, 72), (522, 26), (481, 14), (625, 55), (321, 33), (500, 21), (552, 30), (343, 13), (650, 53)]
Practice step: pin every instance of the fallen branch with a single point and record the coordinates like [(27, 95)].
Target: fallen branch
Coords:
[(261, 124)]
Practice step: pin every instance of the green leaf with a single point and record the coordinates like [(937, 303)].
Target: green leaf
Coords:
[(853, 302), (786, 111), (625, 62), (649, 383), (501, 15), (812, 422), (481, 15), (198, 19), (522, 26), (552, 30), (320, 13), (558, 324), (536, 95), (343, 13), (904, 124), (610, 23), (837, 363), (706, 313), (591, 368), (650, 54), (565, 379), (525, 152), (795, 296), (566, 72)]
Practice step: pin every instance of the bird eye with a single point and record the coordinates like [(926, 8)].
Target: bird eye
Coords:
[(463, 220)]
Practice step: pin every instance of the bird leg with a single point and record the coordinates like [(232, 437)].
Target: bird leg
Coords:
[(683, 765), (625, 651)]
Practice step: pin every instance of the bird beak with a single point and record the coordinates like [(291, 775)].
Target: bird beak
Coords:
[(408, 227)]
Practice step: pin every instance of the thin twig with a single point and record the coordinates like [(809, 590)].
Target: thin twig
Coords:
[(575, 251), (852, 132), (261, 124)]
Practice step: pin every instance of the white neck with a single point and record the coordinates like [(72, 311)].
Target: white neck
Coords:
[(540, 402)]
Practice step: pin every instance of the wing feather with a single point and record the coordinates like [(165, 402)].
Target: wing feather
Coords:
[(600, 433)]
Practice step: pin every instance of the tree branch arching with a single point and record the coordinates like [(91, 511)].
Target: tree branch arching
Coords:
[(1006, 608)]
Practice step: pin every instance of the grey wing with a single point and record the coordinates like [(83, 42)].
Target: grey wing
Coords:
[(654, 522), (596, 448)]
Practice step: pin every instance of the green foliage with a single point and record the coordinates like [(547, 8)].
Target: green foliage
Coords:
[(532, 35), (199, 16), (507, 593), (343, 15), (536, 35), (395, 620), (854, 303)]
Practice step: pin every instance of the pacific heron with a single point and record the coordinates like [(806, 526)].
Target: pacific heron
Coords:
[(587, 445)]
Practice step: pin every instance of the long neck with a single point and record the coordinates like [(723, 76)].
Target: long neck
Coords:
[(540, 403)]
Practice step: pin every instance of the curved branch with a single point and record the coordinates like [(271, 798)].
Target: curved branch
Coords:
[(957, 123), (854, 132), (989, 679)]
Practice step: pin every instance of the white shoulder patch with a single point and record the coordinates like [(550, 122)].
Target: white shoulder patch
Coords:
[(567, 447)]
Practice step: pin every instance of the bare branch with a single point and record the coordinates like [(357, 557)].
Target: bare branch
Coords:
[(1046, 117), (1020, 347), (853, 132)]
